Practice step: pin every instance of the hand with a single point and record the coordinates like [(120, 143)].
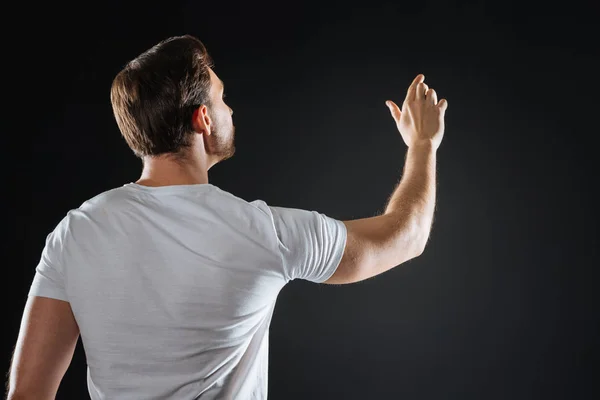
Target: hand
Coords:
[(422, 117)]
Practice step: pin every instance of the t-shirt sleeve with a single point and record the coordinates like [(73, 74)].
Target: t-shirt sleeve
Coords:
[(48, 280), (311, 244)]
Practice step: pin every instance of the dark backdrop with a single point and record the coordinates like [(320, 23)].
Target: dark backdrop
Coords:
[(502, 304)]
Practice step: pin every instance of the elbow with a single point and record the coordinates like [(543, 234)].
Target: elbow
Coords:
[(421, 243), (414, 234), (419, 249)]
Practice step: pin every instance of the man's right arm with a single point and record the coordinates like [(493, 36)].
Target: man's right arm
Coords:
[(378, 244)]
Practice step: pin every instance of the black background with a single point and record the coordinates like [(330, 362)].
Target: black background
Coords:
[(502, 304)]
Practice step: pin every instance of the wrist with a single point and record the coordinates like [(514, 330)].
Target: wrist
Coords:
[(426, 145)]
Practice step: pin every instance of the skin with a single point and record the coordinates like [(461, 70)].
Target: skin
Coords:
[(213, 143), (49, 333), (44, 349), (377, 244)]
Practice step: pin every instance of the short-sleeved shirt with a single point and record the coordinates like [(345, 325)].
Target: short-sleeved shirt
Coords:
[(174, 287)]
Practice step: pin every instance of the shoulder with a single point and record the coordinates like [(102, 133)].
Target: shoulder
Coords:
[(260, 207), (112, 197), (92, 209)]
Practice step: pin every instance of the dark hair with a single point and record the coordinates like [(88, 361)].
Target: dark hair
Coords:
[(154, 96)]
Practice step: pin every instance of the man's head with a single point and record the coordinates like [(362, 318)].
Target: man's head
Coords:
[(169, 101)]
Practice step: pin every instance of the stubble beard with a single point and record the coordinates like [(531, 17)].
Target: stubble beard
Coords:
[(224, 145)]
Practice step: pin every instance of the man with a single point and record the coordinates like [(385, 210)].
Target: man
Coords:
[(171, 281)]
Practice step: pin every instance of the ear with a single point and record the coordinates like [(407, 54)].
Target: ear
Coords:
[(201, 120)]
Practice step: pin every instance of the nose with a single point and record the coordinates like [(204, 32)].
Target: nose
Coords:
[(230, 111)]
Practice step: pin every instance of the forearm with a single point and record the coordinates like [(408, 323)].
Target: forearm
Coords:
[(411, 206)]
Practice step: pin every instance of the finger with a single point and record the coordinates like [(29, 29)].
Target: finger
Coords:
[(431, 97), (394, 109), (420, 95), (443, 105), (410, 94)]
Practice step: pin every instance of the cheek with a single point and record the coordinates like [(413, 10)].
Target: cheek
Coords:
[(225, 115), (222, 119)]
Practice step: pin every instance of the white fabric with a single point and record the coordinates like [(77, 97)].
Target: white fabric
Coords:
[(174, 287)]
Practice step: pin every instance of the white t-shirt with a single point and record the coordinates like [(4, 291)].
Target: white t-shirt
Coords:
[(173, 287)]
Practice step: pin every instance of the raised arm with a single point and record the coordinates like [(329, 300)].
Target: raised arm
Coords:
[(375, 245)]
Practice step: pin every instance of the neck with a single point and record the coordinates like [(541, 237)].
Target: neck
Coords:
[(164, 171)]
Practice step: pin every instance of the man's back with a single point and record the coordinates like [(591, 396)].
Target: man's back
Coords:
[(174, 287)]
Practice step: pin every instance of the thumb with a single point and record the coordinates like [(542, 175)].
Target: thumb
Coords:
[(443, 105), (394, 109)]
